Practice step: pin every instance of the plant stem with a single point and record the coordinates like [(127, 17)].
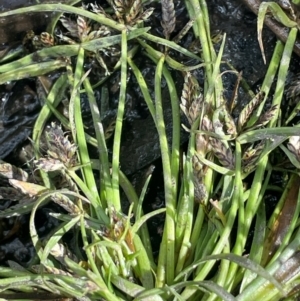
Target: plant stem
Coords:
[(166, 261), (118, 130)]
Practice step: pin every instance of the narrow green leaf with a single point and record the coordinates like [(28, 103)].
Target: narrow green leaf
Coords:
[(31, 70), (268, 133)]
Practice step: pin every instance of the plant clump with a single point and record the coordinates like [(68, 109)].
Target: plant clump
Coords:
[(214, 189)]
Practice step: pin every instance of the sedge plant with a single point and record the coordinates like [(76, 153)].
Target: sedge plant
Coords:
[(209, 211)]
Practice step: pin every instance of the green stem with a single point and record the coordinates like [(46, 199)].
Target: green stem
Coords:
[(224, 239), (203, 34), (118, 130), (166, 261), (105, 188)]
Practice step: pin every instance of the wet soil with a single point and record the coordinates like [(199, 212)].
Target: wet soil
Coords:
[(13, 28), (140, 146)]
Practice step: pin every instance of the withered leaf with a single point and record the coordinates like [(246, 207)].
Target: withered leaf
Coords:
[(294, 146), (10, 171), (28, 188)]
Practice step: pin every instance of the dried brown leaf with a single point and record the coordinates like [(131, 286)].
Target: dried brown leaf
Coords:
[(9, 171), (27, 188), (60, 251), (294, 146), (282, 221)]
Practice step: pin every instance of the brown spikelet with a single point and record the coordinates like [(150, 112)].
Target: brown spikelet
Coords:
[(119, 9), (194, 110), (83, 28), (168, 17), (186, 91), (248, 110), (134, 10), (267, 116), (185, 96), (101, 32), (191, 98), (147, 13), (70, 25), (293, 90), (251, 156), (70, 183), (47, 39), (206, 124), (200, 192), (65, 203), (223, 153), (59, 146), (202, 144), (99, 10), (197, 167), (48, 164), (127, 12), (229, 123), (110, 129)]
